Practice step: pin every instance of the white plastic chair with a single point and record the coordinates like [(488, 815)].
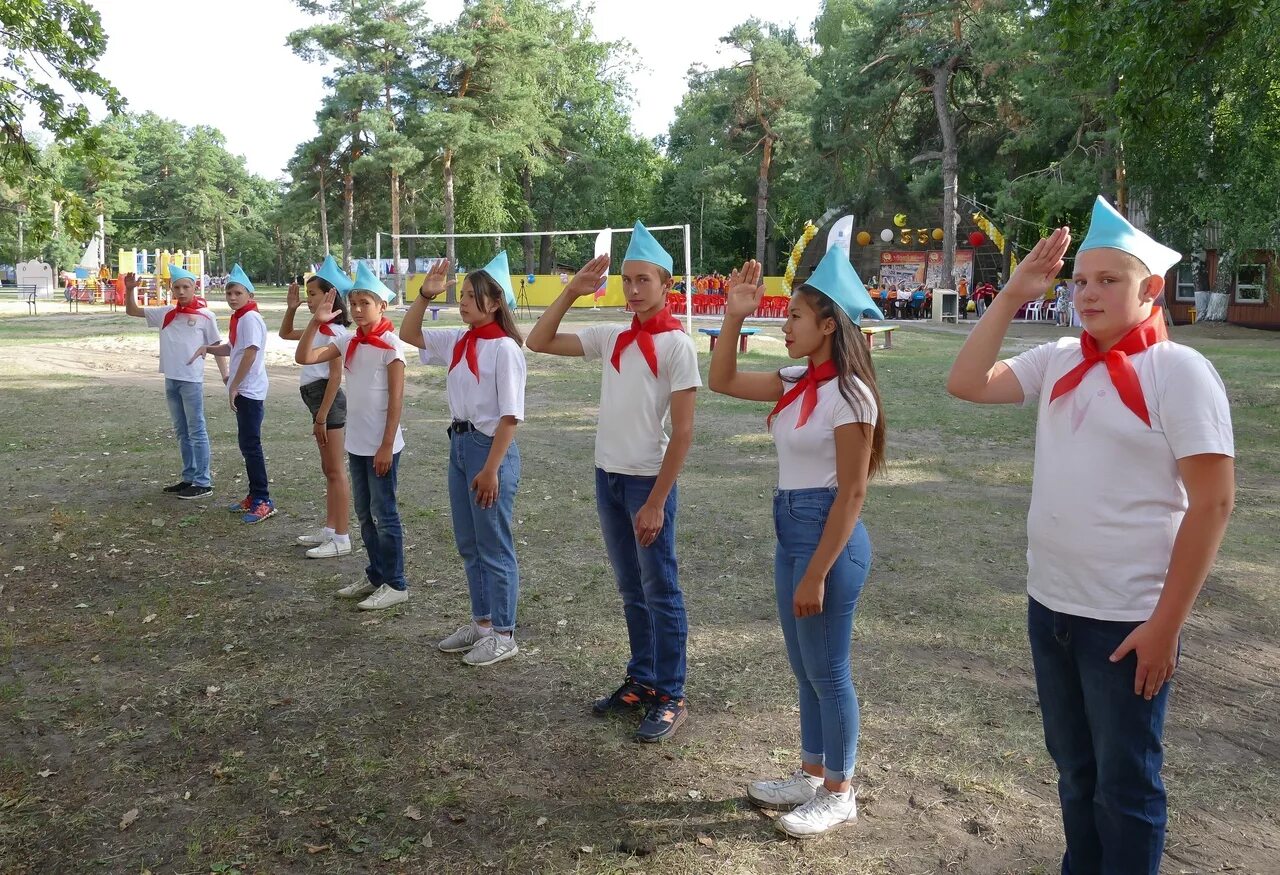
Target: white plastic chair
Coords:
[(1033, 310)]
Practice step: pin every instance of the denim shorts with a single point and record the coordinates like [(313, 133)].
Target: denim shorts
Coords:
[(313, 397)]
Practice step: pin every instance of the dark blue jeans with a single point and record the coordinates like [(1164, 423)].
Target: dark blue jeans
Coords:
[(484, 536), (249, 415), (375, 501), (1106, 742), (818, 646), (647, 580)]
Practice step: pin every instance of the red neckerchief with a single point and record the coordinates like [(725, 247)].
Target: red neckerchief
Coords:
[(1123, 375), (327, 330), (466, 345), (252, 306), (642, 333), (373, 338), (197, 306), (807, 390)]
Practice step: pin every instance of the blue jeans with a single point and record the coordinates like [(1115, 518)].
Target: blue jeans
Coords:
[(818, 646), (249, 415), (186, 410), (483, 535), (375, 501), (648, 581), (1106, 742)]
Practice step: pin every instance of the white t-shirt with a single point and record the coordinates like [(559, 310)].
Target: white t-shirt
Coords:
[(251, 331), (312, 373), (178, 342), (1106, 497), (635, 406), (498, 392), (367, 393), (807, 456)]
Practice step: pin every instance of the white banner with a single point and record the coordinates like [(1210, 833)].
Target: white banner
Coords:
[(604, 246)]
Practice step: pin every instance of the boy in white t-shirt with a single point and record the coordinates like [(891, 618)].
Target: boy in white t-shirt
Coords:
[(1133, 487), (185, 326), (373, 365), (247, 390), (650, 370)]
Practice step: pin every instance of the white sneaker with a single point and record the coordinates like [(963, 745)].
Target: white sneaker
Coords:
[(785, 794), (330, 549), (490, 649), (826, 810), (357, 590), (384, 597), (315, 539), (463, 640)]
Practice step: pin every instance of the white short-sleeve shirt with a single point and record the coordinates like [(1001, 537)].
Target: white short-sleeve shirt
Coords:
[(185, 334), (312, 373), (635, 406), (807, 455), (1106, 496), (251, 331), (367, 397), (499, 390)]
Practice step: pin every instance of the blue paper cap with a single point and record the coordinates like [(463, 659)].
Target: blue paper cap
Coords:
[(644, 247), (835, 277), (239, 277), (501, 273), (334, 275), (366, 281), (1110, 230), (177, 273)]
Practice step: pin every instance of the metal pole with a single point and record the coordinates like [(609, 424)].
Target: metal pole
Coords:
[(688, 284)]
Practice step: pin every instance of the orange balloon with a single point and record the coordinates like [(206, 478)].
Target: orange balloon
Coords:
[(938, 234), (863, 238)]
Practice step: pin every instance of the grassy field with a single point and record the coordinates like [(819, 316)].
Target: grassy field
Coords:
[(181, 694)]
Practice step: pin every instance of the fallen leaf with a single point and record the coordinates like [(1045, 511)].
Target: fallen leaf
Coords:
[(44, 773), (707, 842), (587, 849), (129, 817), (274, 777), (695, 794), (82, 605), (157, 522), (318, 849), (212, 691), (455, 817), (426, 841), (542, 821), (96, 658), (148, 618)]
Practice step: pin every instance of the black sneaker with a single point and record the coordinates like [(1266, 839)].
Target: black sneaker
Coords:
[(631, 696), (665, 716), (177, 487), (194, 491)]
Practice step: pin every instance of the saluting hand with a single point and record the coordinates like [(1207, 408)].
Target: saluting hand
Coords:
[(1036, 273), (588, 278), (745, 291), (436, 280), (293, 298)]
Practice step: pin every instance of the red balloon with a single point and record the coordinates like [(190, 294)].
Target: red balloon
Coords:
[(977, 238)]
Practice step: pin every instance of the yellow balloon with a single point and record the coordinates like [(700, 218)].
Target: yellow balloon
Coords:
[(900, 220), (863, 238), (938, 235)]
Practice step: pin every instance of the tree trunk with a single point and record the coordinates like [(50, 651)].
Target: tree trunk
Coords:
[(324, 215), (547, 247), (395, 235), (412, 199), (450, 247), (526, 184), (762, 197), (222, 247), (348, 215), (950, 166), (279, 253), (771, 251)]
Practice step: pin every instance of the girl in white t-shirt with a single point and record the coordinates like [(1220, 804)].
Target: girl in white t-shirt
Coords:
[(373, 367), (321, 390), (829, 431), (485, 385)]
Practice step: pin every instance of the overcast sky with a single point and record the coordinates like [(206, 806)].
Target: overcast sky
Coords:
[(225, 63)]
